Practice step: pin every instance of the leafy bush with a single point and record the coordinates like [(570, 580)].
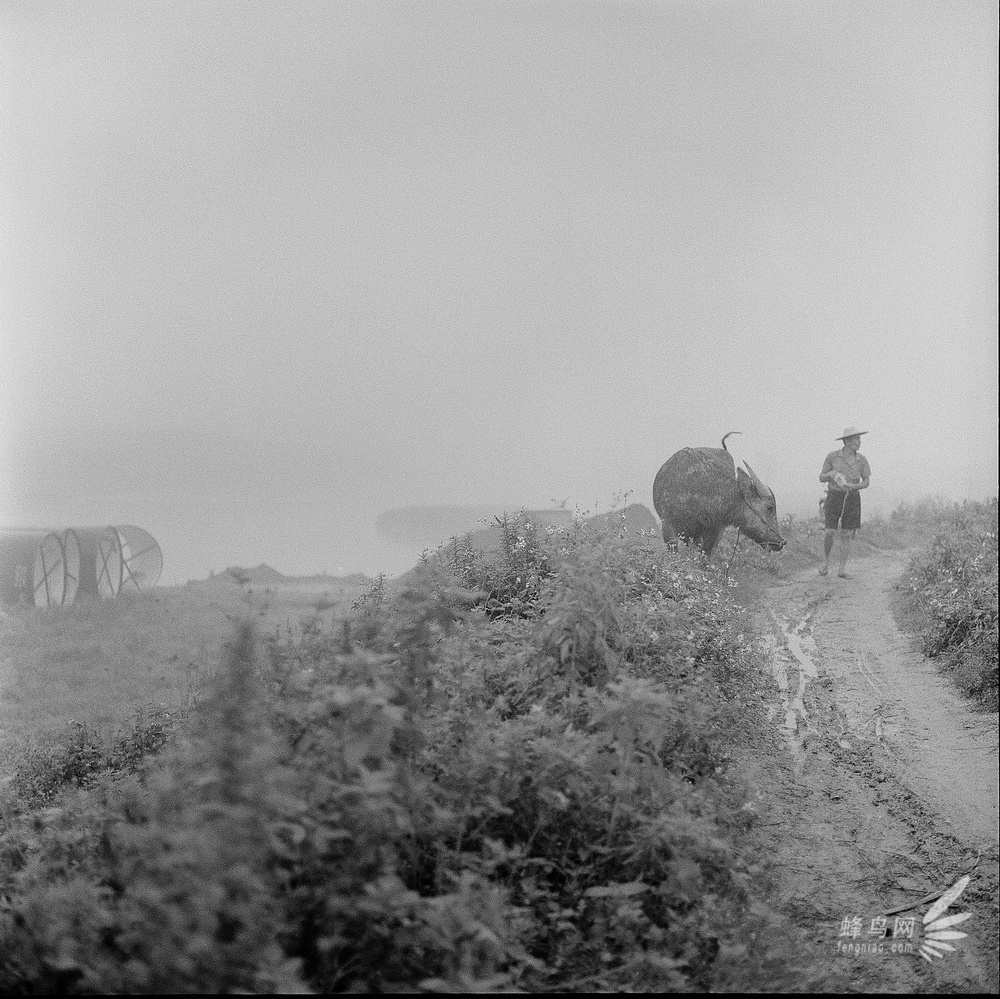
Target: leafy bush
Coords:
[(372, 599), (953, 585), (507, 579), (83, 754), (574, 766), (159, 887), (443, 794)]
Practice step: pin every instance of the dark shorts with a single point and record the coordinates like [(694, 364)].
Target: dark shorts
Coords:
[(843, 510)]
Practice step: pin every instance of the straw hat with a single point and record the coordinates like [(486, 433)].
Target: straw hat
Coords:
[(851, 432)]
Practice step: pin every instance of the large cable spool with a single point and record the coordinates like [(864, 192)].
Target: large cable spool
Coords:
[(33, 568), (100, 560), (71, 565), (142, 560)]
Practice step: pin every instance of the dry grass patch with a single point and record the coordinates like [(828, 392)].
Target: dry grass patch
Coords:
[(97, 662)]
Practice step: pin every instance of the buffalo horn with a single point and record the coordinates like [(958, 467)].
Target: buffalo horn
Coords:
[(761, 488)]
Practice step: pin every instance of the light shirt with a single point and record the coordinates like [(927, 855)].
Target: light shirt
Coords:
[(853, 467)]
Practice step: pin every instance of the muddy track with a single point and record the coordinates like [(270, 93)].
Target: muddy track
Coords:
[(879, 788)]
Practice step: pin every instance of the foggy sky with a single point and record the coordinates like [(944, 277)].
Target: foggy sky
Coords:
[(268, 270)]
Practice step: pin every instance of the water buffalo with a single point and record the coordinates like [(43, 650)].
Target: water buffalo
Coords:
[(699, 492)]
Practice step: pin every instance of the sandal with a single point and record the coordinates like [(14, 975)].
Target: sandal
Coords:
[(843, 575)]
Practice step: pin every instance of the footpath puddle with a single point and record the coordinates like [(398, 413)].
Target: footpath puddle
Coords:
[(794, 665)]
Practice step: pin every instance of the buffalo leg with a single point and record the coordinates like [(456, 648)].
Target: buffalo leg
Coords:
[(669, 536), (709, 539)]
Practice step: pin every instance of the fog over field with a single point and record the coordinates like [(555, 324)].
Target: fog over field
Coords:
[(270, 272)]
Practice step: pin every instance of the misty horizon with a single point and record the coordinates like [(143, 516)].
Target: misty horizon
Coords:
[(267, 275)]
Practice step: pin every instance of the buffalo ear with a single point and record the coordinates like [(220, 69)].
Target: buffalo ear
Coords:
[(758, 486), (746, 484)]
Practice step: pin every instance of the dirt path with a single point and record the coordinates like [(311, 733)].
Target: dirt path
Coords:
[(881, 787)]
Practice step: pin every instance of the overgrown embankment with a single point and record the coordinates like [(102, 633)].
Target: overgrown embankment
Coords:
[(952, 598), (512, 775)]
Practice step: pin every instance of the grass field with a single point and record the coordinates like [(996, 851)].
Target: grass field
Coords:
[(97, 663)]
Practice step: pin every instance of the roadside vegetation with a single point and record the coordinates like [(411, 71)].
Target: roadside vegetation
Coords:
[(510, 776), (951, 589)]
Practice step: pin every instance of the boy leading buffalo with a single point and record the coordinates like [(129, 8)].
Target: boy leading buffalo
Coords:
[(846, 472)]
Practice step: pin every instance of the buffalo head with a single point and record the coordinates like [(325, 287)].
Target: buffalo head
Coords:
[(760, 522)]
